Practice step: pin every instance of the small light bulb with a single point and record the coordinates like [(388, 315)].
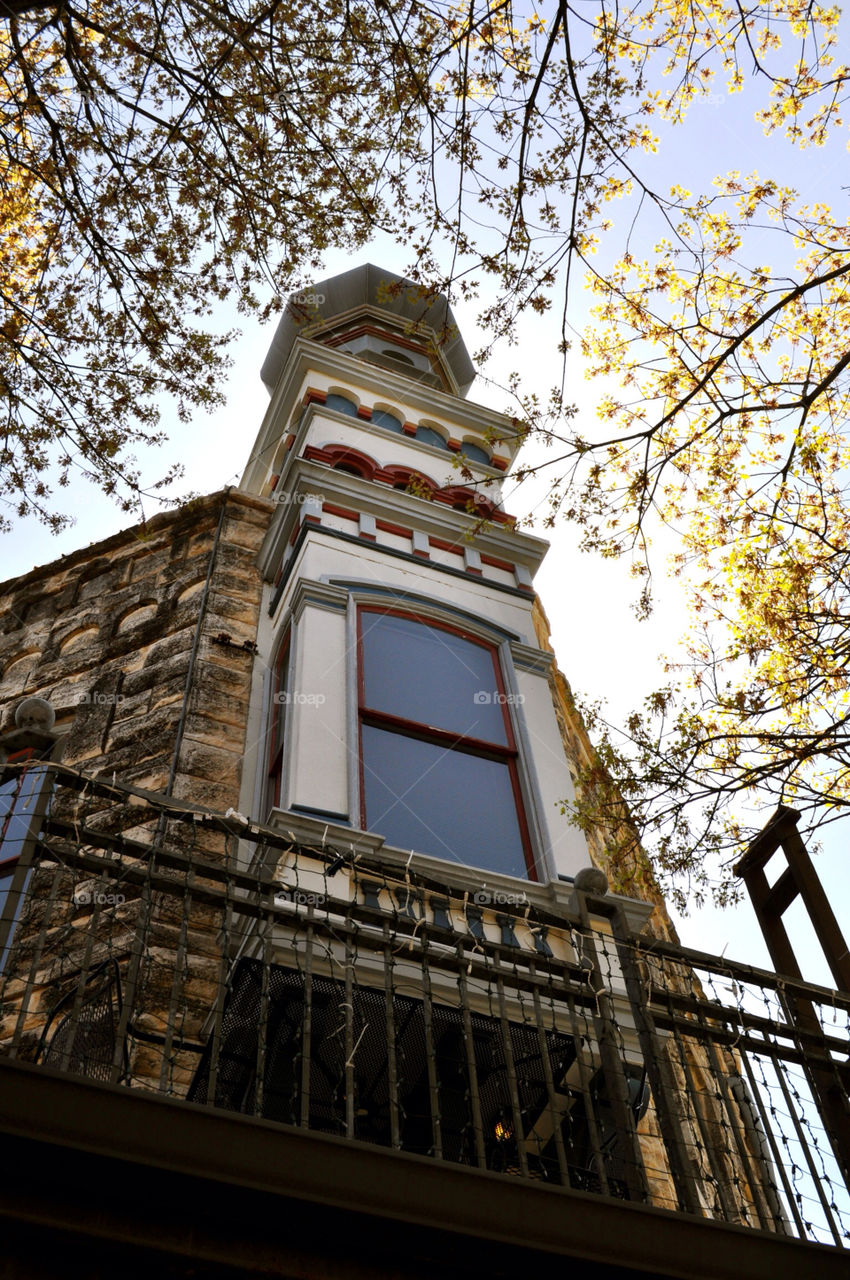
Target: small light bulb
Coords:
[(503, 1131)]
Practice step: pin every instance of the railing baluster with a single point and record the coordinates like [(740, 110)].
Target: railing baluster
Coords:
[(729, 1202), (349, 1076), (79, 995), (221, 989), (585, 1075), (771, 1137), (471, 1066), (266, 924), (177, 984), (721, 1074), (141, 939), (801, 1138), (307, 1024), (761, 1141), (557, 1117), (668, 1100), (38, 947), (430, 1056), (613, 1066), (510, 1067), (392, 1064)]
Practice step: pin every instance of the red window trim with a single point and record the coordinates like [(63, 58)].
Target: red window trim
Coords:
[(493, 563), (506, 754), (398, 529), (343, 513)]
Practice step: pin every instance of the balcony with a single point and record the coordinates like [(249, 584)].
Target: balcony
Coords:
[(253, 1015)]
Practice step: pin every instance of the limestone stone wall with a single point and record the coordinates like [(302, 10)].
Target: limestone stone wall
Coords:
[(107, 634), (143, 644)]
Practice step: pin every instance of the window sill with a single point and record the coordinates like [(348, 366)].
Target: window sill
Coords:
[(555, 896)]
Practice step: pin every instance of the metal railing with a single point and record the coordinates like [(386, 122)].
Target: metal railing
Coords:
[(164, 948)]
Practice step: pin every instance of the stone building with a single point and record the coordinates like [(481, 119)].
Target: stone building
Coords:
[(306, 971)]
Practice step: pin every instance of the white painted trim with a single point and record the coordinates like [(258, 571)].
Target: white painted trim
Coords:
[(528, 779), (353, 713), (321, 595)]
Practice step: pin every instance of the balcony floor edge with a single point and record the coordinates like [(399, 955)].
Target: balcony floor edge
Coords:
[(98, 1169)]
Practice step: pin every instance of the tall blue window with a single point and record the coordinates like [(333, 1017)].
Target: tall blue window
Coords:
[(438, 758)]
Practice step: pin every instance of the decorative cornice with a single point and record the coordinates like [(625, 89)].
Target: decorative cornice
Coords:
[(527, 658), (318, 594), (427, 606), (309, 357), (395, 505)]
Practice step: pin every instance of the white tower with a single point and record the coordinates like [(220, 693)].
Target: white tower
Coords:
[(401, 690)]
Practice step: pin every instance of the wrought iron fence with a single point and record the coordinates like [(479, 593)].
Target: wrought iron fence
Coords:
[(161, 947)]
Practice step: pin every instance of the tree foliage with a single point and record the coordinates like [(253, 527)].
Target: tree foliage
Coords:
[(161, 158), (157, 159)]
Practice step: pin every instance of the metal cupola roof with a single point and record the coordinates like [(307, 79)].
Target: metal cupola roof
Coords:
[(370, 288)]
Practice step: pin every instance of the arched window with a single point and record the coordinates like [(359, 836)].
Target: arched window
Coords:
[(462, 498), (342, 404), (427, 435), (388, 421), (438, 758), (341, 458), (475, 453), (413, 481)]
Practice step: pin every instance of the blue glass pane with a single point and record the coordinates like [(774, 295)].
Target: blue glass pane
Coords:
[(342, 404), (12, 908), (386, 420), (18, 799), (429, 436), (432, 676), (8, 791), (475, 454), (7, 873), (447, 803)]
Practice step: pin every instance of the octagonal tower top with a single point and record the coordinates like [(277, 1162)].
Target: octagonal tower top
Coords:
[(382, 319)]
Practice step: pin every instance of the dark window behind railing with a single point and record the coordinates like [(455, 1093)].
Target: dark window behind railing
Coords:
[(416, 1086)]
